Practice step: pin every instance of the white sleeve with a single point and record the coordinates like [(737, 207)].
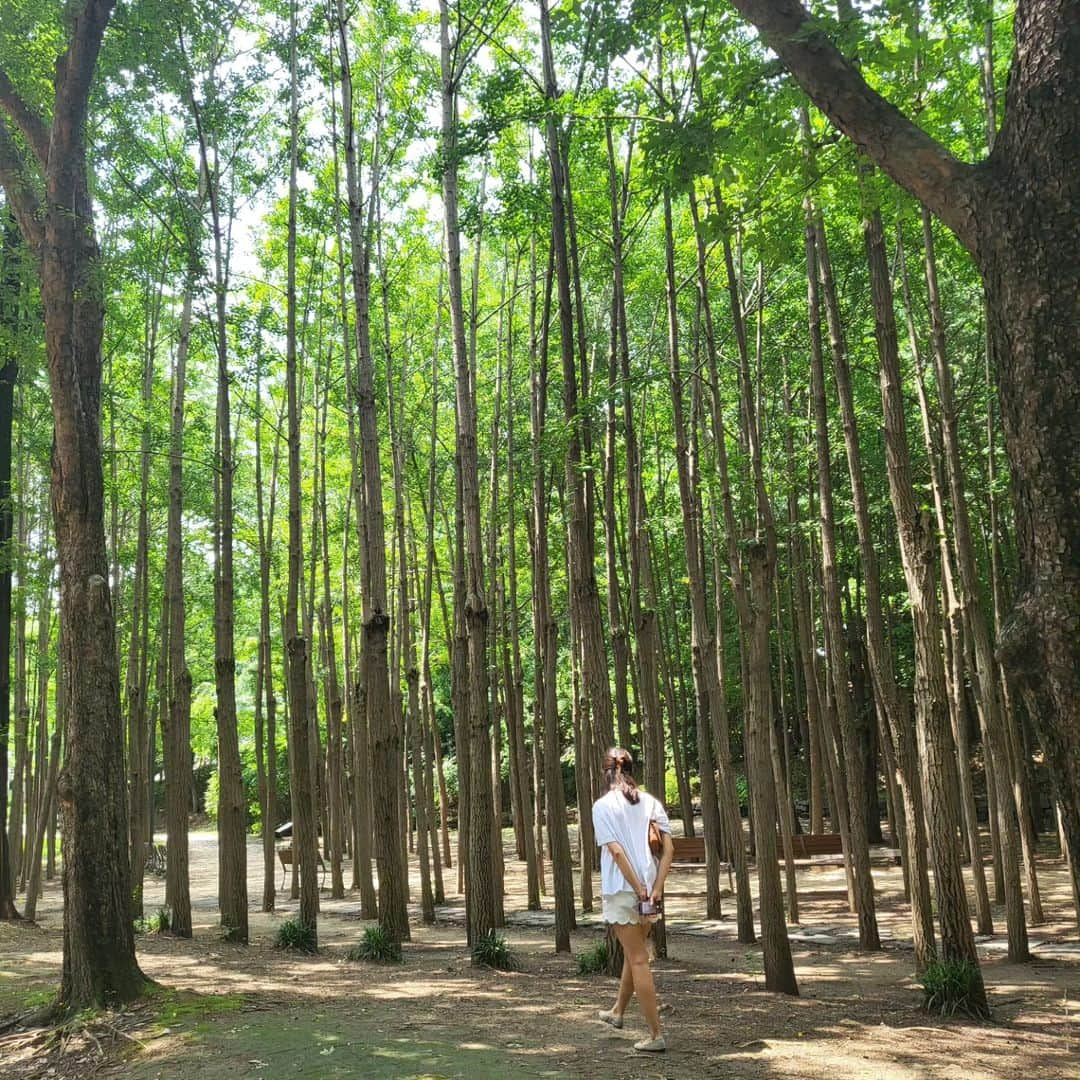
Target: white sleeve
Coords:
[(603, 824), (659, 815)]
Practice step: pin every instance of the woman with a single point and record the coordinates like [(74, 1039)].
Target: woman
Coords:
[(629, 875)]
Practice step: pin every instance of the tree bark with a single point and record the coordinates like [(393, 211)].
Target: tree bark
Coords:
[(482, 900), (99, 965), (9, 373), (304, 839), (833, 620), (545, 629)]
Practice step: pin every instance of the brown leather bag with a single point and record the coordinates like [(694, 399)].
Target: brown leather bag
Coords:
[(656, 840)]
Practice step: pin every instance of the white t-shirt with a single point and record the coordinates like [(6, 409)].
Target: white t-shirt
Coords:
[(617, 819)]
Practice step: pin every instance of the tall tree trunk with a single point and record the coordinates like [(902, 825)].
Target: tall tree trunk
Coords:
[(833, 620), (176, 717), (304, 839), (707, 688), (515, 677), (359, 744), (264, 691), (954, 614), (545, 629), (916, 539), (231, 808), (384, 729), (99, 948), (480, 886), (736, 848), (990, 691), (138, 789), (584, 595), (9, 373)]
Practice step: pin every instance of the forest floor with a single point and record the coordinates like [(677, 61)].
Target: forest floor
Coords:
[(225, 1011)]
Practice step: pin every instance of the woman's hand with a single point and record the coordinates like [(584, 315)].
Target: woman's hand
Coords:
[(657, 894)]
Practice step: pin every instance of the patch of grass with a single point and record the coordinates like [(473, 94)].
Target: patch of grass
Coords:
[(951, 987), (753, 963), (492, 951), (298, 936), (186, 1009), (159, 923), (594, 960), (377, 946)]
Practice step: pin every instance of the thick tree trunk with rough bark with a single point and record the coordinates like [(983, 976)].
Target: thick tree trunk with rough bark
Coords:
[(99, 949)]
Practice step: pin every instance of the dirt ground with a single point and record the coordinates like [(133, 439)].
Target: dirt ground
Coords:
[(225, 1011)]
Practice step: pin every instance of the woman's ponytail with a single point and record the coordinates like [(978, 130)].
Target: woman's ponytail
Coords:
[(618, 769)]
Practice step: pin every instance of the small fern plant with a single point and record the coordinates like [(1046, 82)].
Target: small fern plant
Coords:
[(376, 946), (158, 923), (951, 987), (594, 960), (492, 951), (297, 936)]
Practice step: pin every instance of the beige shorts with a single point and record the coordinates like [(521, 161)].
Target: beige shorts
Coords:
[(621, 907)]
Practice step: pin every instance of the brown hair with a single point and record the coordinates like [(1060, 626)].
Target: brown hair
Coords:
[(618, 769)]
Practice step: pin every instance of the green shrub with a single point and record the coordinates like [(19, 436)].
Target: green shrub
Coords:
[(159, 923), (376, 945), (949, 987), (594, 960), (298, 936), (250, 776), (671, 789), (493, 952)]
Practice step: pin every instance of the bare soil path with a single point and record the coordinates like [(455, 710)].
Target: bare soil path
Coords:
[(234, 1012)]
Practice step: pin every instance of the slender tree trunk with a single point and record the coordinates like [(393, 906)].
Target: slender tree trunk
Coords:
[(9, 372), (514, 675), (304, 839), (997, 723), (266, 759), (482, 899), (383, 727), (916, 539), (834, 623), (702, 654), (584, 595), (955, 618), (545, 629), (176, 718)]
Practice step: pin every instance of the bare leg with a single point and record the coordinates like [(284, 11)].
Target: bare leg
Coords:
[(626, 986), (632, 939)]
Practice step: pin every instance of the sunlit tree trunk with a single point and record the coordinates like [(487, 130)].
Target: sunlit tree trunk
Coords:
[(545, 629), (481, 893)]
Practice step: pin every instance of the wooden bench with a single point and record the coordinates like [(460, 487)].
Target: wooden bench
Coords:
[(690, 855), (689, 851), (156, 859), (807, 845), (285, 854)]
